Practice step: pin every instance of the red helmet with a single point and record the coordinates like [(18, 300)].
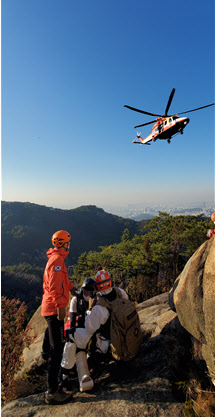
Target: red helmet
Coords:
[(60, 237), (103, 280)]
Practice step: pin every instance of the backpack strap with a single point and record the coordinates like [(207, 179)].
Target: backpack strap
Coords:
[(118, 292), (102, 301)]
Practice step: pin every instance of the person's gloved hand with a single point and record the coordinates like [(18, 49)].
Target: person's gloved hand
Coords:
[(61, 313), (92, 303)]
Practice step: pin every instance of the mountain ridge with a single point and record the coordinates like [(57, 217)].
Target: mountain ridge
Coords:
[(90, 227)]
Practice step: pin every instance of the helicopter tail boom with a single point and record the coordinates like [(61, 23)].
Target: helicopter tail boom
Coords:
[(141, 143)]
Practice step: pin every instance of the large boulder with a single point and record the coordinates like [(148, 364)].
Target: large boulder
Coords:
[(154, 315), (193, 298)]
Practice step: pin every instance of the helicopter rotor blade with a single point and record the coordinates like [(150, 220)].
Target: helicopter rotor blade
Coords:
[(199, 108), (145, 124), (169, 101), (142, 111)]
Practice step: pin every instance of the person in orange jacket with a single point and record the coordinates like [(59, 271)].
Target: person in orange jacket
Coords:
[(56, 287)]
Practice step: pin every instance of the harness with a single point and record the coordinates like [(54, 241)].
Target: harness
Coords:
[(82, 307)]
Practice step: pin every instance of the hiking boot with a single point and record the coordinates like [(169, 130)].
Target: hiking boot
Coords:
[(58, 397)]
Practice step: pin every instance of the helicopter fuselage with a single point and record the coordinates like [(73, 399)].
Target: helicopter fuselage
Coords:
[(165, 128), (169, 126)]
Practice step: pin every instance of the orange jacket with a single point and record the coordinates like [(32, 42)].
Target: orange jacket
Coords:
[(56, 284)]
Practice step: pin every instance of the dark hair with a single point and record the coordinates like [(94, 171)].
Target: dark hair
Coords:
[(88, 284)]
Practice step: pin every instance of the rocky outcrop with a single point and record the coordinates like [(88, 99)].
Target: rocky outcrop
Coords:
[(154, 315), (148, 399), (37, 324), (193, 297), (142, 387), (31, 356)]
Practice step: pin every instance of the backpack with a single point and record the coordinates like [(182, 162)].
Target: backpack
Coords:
[(125, 332)]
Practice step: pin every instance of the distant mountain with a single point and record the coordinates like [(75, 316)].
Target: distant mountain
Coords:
[(27, 229)]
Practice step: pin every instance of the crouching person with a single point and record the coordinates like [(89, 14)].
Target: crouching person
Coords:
[(97, 321)]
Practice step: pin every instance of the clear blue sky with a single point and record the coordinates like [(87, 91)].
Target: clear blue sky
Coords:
[(68, 67)]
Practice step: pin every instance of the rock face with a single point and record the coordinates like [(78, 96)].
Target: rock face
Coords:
[(32, 355), (154, 315), (142, 387), (37, 324), (193, 298)]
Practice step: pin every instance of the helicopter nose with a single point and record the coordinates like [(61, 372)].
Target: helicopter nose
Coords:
[(186, 121)]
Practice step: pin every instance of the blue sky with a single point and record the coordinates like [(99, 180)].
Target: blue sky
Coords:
[(68, 68)]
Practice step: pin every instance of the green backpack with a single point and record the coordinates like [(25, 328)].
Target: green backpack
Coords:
[(125, 331)]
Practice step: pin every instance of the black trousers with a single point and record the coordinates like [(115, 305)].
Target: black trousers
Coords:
[(55, 336)]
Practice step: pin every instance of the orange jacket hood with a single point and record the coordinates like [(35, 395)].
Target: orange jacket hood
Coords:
[(56, 251)]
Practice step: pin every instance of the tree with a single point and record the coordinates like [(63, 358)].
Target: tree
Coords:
[(125, 236), (13, 320), (148, 264)]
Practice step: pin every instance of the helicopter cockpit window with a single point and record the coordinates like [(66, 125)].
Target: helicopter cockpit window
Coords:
[(165, 122), (170, 119)]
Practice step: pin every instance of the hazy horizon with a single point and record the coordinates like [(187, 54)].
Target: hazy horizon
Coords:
[(129, 206)]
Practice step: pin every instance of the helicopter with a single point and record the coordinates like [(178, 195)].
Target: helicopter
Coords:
[(166, 126)]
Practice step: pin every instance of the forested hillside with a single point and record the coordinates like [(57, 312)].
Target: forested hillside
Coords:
[(23, 282), (27, 229), (147, 265)]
